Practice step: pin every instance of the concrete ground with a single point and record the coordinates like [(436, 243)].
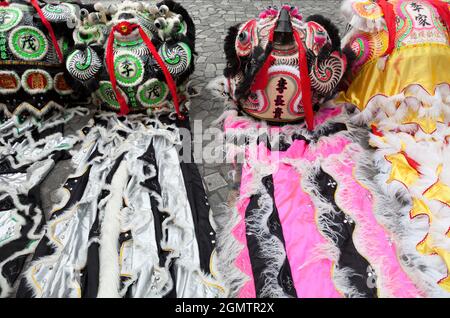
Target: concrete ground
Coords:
[(212, 20)]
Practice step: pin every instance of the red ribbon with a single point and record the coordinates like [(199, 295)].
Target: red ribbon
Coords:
[(49, 29), (305, 82), (4, 3), (389, 17), (124, 109)]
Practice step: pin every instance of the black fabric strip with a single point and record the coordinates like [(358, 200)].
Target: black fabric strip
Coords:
[(198, 201), (153, 185), (349, 257), (257, 259), (76, 186)]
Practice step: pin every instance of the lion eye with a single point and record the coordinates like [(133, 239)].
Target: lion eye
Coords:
[(243, 37)]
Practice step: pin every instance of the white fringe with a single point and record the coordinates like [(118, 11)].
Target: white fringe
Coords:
[(109, 281)]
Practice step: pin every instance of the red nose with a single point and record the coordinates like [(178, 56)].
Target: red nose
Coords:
[(125, 28)]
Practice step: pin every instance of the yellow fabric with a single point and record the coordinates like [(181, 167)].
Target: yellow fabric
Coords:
[(419, 207), (439, 191), (401, 170), (423, 64), (425, 247)]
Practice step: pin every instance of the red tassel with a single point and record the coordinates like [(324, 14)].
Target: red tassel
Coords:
[(305, 82), (49, 29), (389, 17)]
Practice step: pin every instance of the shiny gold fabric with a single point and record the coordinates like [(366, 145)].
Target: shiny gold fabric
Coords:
[(425, 64)]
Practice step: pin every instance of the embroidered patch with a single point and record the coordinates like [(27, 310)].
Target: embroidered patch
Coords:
[(9, 18), (152, 93), (60, 85), (83, 65), (9, 82), (129, 69), (177, 57), (326, 74), (136, 47), (36, 81), (28, 43), (107, 95), (57, 13)]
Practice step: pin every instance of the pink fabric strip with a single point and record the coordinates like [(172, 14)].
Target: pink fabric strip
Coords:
[(306, 279), (312, 278), (243, 260), (371, 236)]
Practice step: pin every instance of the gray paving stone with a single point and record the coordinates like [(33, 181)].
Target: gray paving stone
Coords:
[(214, 182)]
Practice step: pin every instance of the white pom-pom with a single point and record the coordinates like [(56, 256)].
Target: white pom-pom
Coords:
[(99, 6)]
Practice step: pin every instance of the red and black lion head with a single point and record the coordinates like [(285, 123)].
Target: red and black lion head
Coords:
[(279, 66)]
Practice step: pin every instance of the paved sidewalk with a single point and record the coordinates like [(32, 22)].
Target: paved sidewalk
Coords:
[(212, 19)]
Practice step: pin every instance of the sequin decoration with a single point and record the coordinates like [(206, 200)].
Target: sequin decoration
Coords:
[(28, 43), (152, 93), (106, 94), (326, 74), (83, 65), (36, 81), (129, 69), (57, 13), (177, 57), (9, 82)]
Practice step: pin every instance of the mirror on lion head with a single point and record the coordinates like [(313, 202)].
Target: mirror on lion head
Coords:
[(267, 62)]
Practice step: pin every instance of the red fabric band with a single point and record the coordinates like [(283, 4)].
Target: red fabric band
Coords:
[(49, 29)]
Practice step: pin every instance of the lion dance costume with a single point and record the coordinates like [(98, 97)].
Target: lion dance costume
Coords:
[(132, 219), (322, 210)]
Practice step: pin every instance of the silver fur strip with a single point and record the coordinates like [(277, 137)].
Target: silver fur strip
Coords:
[(36, 155), (57, 275)]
